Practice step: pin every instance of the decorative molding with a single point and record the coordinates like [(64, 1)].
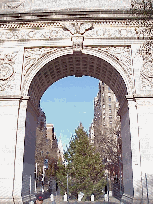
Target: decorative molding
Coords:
[(124, 29), (71, 26), (33, 25), (146, 51), (112, 32), (27, 34), (144, 102), (7, 73)]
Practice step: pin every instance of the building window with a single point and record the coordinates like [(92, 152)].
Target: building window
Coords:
[(109, 99)]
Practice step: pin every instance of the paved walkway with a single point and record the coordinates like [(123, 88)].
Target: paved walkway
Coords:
[(59, 200)]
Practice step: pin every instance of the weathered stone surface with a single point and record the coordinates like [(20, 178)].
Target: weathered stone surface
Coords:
[(46, 5)]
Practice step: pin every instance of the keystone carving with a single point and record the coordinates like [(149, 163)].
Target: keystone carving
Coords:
[(77, 43), (77, 29)]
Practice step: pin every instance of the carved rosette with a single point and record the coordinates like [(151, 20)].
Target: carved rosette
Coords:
[(146, 51), (7, 62)]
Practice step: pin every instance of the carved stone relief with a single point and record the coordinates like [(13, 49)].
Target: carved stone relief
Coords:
[(15, 4), (7, 73), (77, 43), (102, 29), (31, 55), (122, 54), (146, 51), (141, 4), (115, 32), (77, 27), (34, 34)]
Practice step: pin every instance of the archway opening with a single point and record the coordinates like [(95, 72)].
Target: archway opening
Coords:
[(78, 65), (68, 65)]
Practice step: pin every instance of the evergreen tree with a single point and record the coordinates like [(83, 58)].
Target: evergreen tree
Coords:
[(83, 167)]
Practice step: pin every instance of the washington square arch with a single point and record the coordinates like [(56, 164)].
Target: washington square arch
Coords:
[(42, 41)]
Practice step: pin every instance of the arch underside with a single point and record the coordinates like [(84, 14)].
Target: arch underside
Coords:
[(78, 65)]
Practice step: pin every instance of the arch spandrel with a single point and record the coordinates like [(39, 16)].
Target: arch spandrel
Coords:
[(57, 63)]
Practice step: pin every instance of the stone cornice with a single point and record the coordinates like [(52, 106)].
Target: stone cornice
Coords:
[(138, 96), (40, 24), (14, 97), (75, 15)]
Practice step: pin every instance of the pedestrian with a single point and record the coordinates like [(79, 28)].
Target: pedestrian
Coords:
[(39, 199)]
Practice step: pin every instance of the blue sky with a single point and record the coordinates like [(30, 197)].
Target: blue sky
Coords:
[(68, 102)]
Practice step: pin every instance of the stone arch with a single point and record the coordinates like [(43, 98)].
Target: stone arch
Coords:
[(55, 64)]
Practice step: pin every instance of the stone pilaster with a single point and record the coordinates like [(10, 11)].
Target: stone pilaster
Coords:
[(19, 151), (9, 113), (28, 186), (145, 118), (126, 154), (135, 150)]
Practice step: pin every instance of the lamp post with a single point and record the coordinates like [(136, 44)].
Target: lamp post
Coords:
[(67, 188), (36, 179), (120, 173)]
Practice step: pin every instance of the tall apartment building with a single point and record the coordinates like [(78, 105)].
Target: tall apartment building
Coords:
[(46, 143), (51, 135), (104, 132)]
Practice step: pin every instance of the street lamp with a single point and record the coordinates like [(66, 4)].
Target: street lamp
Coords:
[(120, 173), (67, 188)]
